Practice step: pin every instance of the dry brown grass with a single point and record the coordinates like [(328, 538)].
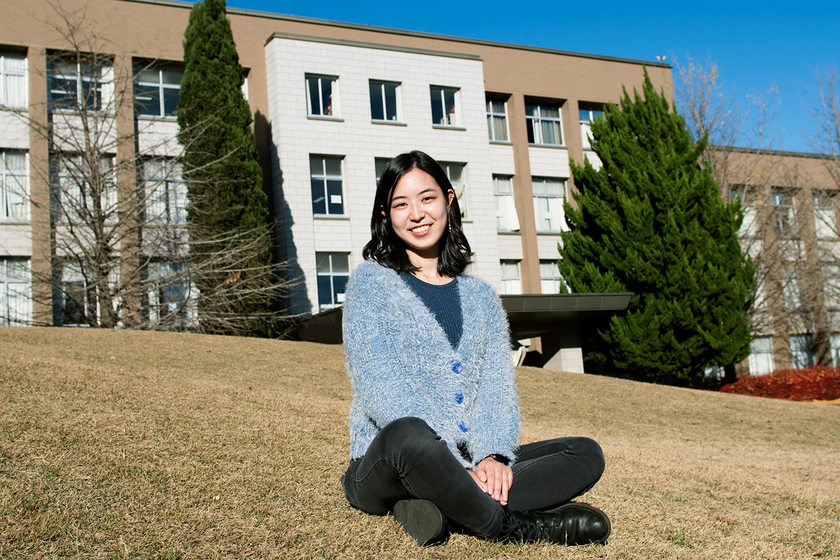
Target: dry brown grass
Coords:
[(152, 445)]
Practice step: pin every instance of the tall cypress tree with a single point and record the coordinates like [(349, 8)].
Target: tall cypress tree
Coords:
[(227, 214), (651, 221)]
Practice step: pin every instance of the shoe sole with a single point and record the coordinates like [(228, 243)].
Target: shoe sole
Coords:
[(593, 509), (421, 519)]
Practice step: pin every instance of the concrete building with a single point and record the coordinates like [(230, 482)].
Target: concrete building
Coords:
[(331, 102)]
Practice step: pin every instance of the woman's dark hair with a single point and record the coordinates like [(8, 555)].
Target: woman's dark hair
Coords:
[(386, 248)]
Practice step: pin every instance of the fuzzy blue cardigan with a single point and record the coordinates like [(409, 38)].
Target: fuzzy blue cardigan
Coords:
[(401, 363)]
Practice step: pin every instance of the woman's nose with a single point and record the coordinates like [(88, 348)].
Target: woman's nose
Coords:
[(415, 212)]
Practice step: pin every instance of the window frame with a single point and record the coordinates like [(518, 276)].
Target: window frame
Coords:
[(109, 198), (161, 87), (15, 290), (163, 278), (336, 298), (325, 178), (510, 285), (533, 122), (586, 121), (6, 73), (505, 203), (382, 84), (761, 360), (83, 73), (461, 184), (445, 120), (333, 106), (555, 279), (493, 116), (539, 197), (825, 215), (174, 195), (784, 213), (7, 179), (801, 351)]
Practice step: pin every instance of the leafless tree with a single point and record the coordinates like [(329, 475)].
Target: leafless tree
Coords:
[(120, 249), (780, 205)]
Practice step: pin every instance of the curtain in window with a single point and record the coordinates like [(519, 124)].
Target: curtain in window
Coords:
[(13, 191), (801, 351), (506, 218), (15, 292), (14, 81), (511, 282), (761, 356)]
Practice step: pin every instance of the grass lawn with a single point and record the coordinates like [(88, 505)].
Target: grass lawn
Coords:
[(152, 445)]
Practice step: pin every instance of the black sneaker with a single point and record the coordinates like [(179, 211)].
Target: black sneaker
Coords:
[(422, 520)]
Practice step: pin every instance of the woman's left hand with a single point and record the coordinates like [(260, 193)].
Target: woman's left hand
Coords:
[(496, 477)]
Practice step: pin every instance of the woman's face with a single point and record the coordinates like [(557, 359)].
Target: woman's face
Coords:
[(418, 212)]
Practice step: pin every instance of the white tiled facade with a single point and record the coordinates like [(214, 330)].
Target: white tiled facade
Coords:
[(352, 136)]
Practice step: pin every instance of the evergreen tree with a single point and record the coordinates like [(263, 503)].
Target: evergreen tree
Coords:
[(651, 221), (230, 242)]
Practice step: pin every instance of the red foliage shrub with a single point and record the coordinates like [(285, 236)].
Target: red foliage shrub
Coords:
[(816, 382)]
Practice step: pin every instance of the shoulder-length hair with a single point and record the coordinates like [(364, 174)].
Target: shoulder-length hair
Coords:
[(386, 248)]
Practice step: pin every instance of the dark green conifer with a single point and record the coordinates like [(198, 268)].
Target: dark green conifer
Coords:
[(651, 221), (228, 214)]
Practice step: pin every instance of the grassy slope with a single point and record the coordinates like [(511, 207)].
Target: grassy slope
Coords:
[(140, 444)]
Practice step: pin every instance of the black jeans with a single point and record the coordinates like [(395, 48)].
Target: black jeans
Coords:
[(407, 459)]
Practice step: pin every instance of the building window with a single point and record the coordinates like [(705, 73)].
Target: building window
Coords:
[(167, 295), (12, 80), (333, 271), (445, 105), (384, 101), (379, 167), (14, 194), (784, 213), (747, 200), (825, 222), (791, 289), (497, 118), (157, 90), (325, 176), (15, 292), (550, 280), (549, 194), (79, 297), (457, 176), (801, 351), (761, 356), (81, 185), (321, 95), (588, 113), (831, 285), (543, 122), (834, 342), (511, 281), (79, 85), (165, 192), (506, 219)]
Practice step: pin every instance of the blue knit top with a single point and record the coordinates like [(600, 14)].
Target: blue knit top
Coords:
[(444, 303), (401, 364)]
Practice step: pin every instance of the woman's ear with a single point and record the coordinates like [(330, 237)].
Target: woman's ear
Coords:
[(450, 196), (382, 209)]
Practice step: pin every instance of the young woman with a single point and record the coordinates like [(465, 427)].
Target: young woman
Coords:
[(434, 423)]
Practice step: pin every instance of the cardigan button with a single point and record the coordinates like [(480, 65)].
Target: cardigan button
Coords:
[(463, 426), (457, 366), (459, 397)]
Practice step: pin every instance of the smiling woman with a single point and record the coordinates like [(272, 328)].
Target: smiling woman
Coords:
[(434, 423)]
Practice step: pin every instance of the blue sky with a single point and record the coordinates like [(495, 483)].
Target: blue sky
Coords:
[(756, 45)]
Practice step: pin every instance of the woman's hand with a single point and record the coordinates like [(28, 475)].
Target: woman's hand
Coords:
[(493, 478)]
